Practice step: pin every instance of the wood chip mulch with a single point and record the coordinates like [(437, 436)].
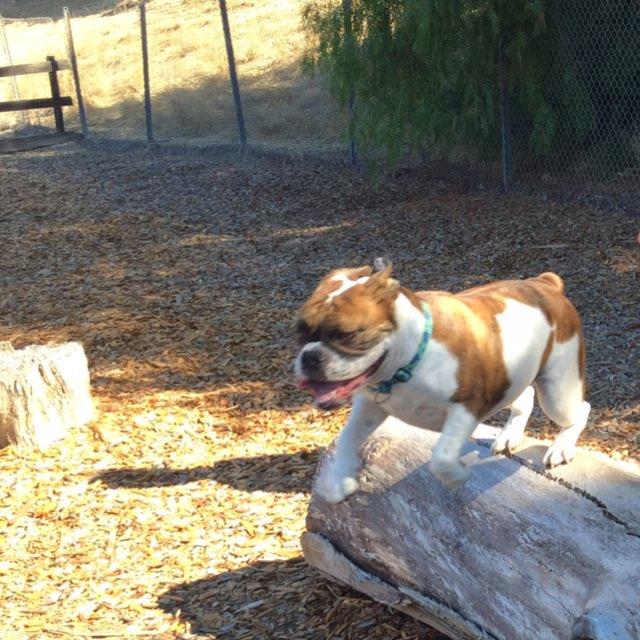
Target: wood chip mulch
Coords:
[(177, 514)]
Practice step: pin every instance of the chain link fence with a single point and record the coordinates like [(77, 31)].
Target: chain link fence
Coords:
[(593, 89), (593, 86)]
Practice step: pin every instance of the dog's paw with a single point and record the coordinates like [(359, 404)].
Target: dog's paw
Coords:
[(338, 478), (334, 489), (507, 440), (559, 452), (451, 474)]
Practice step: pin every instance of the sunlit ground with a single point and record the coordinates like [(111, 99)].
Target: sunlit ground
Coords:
[(177, 512)]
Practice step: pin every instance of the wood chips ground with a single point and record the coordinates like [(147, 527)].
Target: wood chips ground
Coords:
[(177, 514)]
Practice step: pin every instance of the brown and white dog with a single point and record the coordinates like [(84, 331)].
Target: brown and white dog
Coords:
[(489, 348)]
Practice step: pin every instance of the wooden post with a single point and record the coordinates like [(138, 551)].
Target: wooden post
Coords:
[(7, 53), (346, 10), (55, 94), (235, 87), (505, 121), (71, 53), (145, 72)]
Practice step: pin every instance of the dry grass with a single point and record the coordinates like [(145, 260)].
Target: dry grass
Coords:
[(178, 513), (189, 73)]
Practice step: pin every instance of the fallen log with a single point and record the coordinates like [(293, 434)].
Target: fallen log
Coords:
[(517, 553), (44, 392)]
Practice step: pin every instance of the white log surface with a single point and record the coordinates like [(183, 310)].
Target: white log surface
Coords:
[(44, 392), (517, 553)]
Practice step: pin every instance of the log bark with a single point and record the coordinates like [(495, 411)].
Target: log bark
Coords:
[(518, 552), (44, 392)]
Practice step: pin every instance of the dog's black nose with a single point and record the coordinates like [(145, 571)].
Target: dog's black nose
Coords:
[(312, 362)]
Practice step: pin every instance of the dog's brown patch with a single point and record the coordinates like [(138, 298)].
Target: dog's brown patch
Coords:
[(413, 298), (466, 324), (470, 331)]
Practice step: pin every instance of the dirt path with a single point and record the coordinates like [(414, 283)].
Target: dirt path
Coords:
[(178, 514)]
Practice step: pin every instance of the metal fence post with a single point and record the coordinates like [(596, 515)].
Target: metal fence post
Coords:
[(71, 53), (353, 156), (235, 87), (346, 10), (145, 72), (505, 122), (7, 53)]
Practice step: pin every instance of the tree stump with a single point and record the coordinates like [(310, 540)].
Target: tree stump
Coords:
[(517, 552), (44, 392)]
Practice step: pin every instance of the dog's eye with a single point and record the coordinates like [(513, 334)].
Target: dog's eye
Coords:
[(349, 342), (345, 336)]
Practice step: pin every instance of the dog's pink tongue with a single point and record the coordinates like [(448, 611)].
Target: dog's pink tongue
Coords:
[(337, 390), (322, 389)]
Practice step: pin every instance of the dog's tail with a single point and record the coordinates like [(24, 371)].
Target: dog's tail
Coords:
[(552, 279)]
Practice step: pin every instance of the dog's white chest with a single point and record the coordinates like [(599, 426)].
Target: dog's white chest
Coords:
[(421, 414), (423, 400)]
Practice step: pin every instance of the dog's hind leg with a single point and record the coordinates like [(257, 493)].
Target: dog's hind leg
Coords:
[(564, 446), (560, 390), (513, 432)]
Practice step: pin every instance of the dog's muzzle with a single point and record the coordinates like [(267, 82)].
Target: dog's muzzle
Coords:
[(330, 394)]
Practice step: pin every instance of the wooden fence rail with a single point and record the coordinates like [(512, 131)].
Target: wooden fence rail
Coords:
[(55, 102), (36, 103), (35, 67)]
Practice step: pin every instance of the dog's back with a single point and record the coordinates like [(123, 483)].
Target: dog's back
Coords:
[(508, 335)]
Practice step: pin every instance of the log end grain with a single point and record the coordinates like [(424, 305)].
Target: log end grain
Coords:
[(44, 392)]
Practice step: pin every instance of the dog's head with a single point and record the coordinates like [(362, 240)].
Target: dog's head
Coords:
[(344, 331)]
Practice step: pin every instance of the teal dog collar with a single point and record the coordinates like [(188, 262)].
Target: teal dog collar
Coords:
[(404, 374)]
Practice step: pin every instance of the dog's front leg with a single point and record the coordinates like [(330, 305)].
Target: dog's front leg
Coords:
[(445, 461), (338, 477)]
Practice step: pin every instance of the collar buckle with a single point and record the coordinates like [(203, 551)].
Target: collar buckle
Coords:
[(402, 375)]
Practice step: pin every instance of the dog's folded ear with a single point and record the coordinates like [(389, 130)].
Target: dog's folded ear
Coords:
[(381, 285), (357, 272), (380, 264)]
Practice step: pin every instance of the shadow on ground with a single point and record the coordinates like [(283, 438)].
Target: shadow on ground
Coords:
[(269, 600), (286, 473)]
